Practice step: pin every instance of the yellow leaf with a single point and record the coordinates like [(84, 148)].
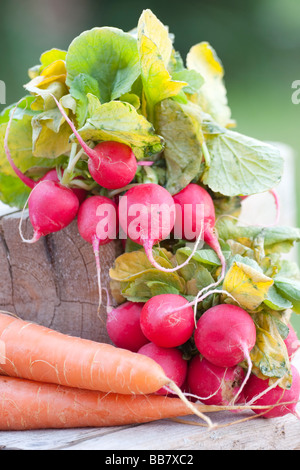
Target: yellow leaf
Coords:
[(247, 285), (212, 96), (151, 27)]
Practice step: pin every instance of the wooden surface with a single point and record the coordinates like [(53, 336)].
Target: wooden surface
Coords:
[(53, 282), (59, 289)]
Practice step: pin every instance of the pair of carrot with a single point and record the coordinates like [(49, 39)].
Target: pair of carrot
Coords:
[(52, 380)]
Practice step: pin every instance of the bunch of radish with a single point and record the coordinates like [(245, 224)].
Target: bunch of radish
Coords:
[(219, 371), (215, 374)]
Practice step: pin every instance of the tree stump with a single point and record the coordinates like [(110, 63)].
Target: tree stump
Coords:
[(54, 282)]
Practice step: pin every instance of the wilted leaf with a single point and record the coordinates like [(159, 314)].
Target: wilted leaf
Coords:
[(247, 285), (212, 96), (181, 130), (269, 355)]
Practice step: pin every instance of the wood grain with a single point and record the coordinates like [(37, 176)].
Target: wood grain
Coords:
[(53, 282)]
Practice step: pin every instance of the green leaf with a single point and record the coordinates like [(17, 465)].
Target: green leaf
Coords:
[(194, 273), (180, 127), (290, 290), (119, 121), (275, 301), (205, 256), (212, 95), (79, 89), (139, 281), (12, 191), (109, 56), (274, 238), (241, 165)]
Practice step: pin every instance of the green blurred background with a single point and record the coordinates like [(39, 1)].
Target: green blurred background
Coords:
[(258, 42)]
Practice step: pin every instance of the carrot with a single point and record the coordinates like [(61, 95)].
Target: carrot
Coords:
[(25, 404), (37, 353)]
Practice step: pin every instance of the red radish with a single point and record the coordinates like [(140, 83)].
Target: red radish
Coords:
[(123, 326), (97, 224), (112, 164), (170, 359), (258, 392), (164, 326), (225, 334), (53, 176), (292, 342), (147, 216), (52, 207), (214, 385), (195, 201)]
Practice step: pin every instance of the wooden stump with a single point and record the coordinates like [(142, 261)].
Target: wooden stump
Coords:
[(53, 282)]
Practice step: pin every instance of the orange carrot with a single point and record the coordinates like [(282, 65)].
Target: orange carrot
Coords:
[(37, 353), (25, 404), (34, 352)]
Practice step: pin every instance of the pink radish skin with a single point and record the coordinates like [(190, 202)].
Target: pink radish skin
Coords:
[(123, 326), (225, 334), (163, 326), (147, 216), (214, 385), (112, 164), (256, 386), (92, 212), (52, 207), (292, 342), (195, 195), (174, 366), (53, 176)]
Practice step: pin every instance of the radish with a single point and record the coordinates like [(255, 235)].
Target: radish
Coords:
[(170, 359), (258, 392), (214, 385), (147, 216), (112, 164), (52, 207), (225, 334), (53, 176), (196, 200), (163, 326), (123, 326), (97, 224)]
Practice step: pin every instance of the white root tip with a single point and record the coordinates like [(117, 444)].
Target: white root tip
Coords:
[(192, 407)]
